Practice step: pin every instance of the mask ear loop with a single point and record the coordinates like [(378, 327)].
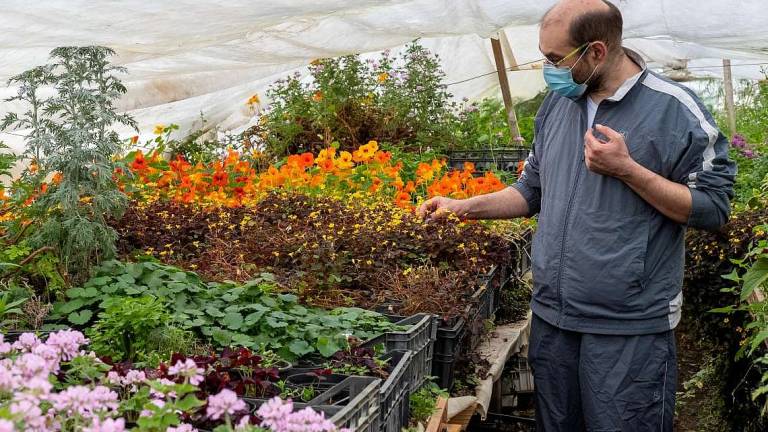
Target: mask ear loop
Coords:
[(579, 59)]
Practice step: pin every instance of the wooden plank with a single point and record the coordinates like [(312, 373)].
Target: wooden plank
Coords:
[(729, 105), (439, 418), (501, 71), (463, 418)]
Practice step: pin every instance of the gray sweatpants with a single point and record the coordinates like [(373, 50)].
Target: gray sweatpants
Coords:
[(589, 382)]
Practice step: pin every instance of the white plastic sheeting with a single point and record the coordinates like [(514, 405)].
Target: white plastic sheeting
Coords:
[(187, 57)]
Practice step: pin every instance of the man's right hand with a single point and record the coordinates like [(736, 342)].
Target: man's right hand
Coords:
[(440, 207)]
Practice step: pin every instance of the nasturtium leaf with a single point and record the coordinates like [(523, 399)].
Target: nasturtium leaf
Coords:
[(80, 318), (233, 320), (300, 347)]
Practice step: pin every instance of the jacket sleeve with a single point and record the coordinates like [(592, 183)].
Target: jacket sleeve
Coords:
[(705, 168), (529, 183)]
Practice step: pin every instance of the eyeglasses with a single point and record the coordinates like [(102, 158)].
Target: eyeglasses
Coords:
[(549, 62)]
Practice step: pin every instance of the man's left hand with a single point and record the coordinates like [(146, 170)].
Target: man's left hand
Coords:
[(610, 157)]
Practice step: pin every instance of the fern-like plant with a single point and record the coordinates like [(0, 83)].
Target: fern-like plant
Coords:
[(70, 135)]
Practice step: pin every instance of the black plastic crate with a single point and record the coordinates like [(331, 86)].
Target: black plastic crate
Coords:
[(503, 159), (447, 350), (354, 403), (419, 338), (395, 392)]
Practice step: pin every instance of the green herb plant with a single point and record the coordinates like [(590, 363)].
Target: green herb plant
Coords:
[(72, 136)]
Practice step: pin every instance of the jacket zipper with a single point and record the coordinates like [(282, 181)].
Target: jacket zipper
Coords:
[(579, 168)]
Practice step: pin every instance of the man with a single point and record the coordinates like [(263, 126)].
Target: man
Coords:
[(623, 161)]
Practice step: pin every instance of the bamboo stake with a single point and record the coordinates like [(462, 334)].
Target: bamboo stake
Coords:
[(501, 71), (729, 106)]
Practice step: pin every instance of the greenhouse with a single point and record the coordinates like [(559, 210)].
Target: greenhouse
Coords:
[(383, 216)]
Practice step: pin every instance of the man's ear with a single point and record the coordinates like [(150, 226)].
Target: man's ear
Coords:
[(599, 51)]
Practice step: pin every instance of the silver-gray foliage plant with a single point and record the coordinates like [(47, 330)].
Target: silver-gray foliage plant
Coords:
[(71, 133)]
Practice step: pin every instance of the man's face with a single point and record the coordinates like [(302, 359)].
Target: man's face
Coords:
[(557, 48)]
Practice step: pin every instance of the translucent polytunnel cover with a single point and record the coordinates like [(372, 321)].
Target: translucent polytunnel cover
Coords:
[(190, 57)]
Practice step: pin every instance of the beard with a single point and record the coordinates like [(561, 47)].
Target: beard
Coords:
[(595, 83), (592, 77)]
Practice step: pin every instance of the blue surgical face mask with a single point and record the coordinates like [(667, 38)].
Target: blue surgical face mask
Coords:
[(560, 80)]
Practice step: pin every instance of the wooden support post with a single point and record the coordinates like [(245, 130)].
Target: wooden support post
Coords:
[(501, 71), (729, 107)]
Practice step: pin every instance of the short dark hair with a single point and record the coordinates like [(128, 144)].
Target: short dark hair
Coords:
[(602, 25)]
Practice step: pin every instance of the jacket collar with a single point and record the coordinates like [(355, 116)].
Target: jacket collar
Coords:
[(632, 81)]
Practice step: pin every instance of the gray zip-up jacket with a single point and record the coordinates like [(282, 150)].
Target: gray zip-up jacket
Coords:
[(604, 260)]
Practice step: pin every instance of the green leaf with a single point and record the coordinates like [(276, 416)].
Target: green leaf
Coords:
[(179, 276), (253, 318), (269, 302), (90, 292), (135, 290), (189, 402), (242, 340), (129, 279), (233, 320), (726, 309), (300, 347), (75, 292), (272, 322), (732, 276), (98, 281), (214, 312), (110, 289), (72, 305), (755, 276), (80, 318), (326, 346), (288, 298)]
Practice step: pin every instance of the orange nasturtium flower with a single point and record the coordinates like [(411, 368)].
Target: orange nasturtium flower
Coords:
[(57, 178), (307, 160), (318, 96), (134, 139), (220, 178), (383, 156), (139, 163), (326, 165), (383, 77)]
